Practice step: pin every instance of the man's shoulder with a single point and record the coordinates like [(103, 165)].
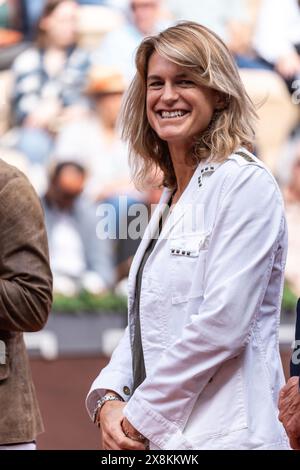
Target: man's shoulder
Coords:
[(17, 195), (9, 173)]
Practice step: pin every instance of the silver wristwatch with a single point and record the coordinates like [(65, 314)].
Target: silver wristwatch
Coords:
[(100, 403)]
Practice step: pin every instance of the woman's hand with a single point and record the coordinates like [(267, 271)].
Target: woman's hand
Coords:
[(131, 432), (113, 437)]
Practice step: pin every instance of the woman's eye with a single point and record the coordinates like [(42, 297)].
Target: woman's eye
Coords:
[(186, 82), (155, 85)]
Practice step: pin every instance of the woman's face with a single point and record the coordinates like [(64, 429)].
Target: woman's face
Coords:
[(177, 108), (61, 25)]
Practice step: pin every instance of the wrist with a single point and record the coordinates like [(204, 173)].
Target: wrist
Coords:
[(111, 392)]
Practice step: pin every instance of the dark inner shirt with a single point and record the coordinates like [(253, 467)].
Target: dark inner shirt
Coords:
[(138, 363)]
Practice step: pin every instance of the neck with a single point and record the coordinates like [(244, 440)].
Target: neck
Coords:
[(183, 172)]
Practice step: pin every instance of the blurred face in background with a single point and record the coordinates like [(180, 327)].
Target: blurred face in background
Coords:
[(108, 107), (66, 187), (145, 14), (60, 26)]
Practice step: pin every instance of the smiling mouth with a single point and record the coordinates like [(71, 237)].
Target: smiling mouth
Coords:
[(172, 114)]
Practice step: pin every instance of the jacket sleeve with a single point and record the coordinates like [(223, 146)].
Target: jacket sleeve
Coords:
[(240, 257), (116, 376), (25, 276)]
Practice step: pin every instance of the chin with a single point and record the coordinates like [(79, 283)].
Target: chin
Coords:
[(172, 133), (171, 137)]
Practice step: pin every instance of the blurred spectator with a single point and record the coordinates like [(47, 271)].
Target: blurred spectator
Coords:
[(118, 47), (78, 258), (230, 19), (11, 32), (48, 79), (119, 4), (277, 37), (33, 10), (95, 21), (289, 177), (92, 2), (217, 15), (95, 143)]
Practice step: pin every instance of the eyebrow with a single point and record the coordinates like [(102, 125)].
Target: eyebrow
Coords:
[(158, 77)]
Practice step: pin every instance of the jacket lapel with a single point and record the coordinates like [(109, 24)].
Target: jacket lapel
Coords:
[(182, 209), (148, 235)]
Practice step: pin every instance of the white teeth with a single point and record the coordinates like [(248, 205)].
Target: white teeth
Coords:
[(172, 114)]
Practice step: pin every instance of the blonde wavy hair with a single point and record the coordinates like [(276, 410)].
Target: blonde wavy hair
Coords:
[(210, 64)]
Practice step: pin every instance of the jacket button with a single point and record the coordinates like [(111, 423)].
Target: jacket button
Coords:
[(126, 390)]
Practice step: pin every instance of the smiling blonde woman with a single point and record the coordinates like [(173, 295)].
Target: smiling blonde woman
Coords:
[(199, 364), (210, 66)]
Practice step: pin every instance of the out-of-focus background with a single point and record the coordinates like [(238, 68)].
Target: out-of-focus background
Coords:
[(64, 66)]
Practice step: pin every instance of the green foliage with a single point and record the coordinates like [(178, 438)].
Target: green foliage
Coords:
[(289, 300), (87, 302)]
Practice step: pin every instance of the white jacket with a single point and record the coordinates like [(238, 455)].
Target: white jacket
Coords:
[(209, 310)]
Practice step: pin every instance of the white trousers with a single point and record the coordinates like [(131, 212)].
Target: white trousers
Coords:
[(30, 446)]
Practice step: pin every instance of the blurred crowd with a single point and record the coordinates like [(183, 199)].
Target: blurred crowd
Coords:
[(64, 66)]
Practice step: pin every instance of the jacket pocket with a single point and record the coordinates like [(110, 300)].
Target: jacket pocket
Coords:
[(188, 258), (220, 413)]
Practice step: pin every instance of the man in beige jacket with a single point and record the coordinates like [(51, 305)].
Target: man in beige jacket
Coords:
[(25, 301)]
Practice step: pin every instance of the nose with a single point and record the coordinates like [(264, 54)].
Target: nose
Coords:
[(170, 94)]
